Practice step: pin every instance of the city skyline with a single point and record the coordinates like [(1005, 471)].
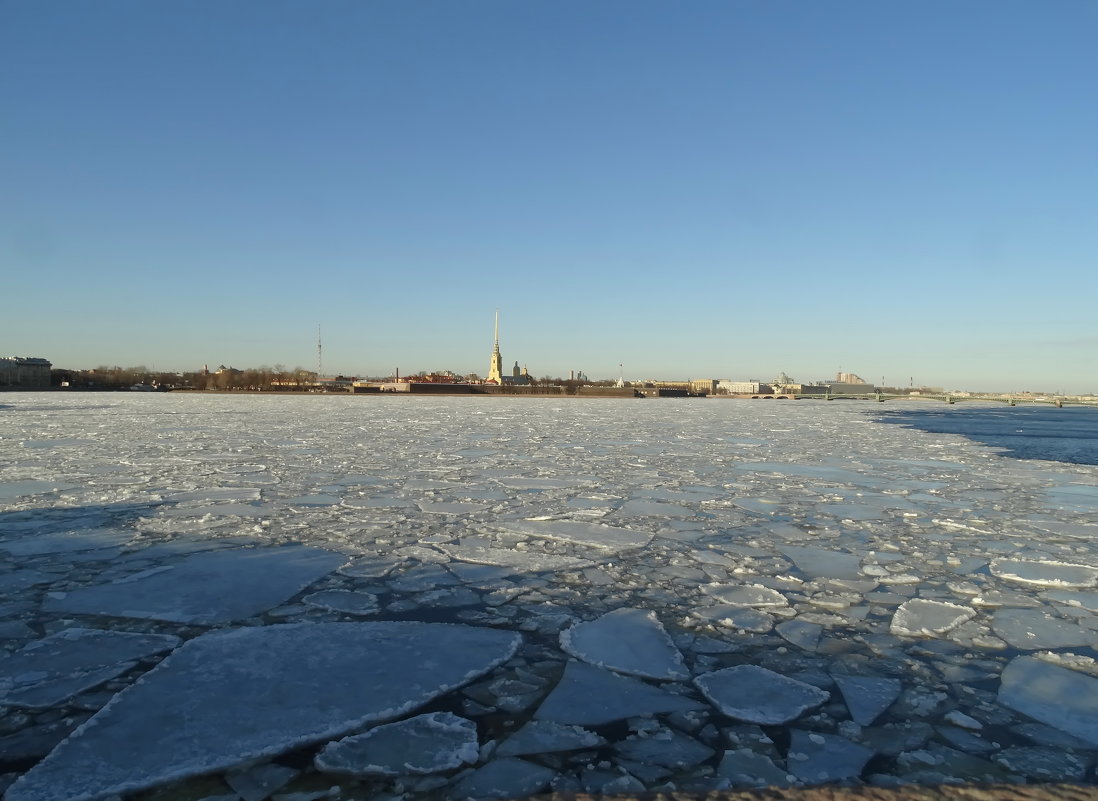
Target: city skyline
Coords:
[(722, 190)]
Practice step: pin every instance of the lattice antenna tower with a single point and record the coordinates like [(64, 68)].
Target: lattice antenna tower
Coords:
[(319, 353)]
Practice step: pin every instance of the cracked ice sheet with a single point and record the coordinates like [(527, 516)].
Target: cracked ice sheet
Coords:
[(48, 671), (209, 587), (229, 697), (518, 561), (595, 535)]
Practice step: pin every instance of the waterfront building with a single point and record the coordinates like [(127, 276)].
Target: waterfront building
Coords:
[(24, 372), (730, 387)]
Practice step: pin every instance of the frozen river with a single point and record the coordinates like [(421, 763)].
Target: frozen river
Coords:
[(430, 598)]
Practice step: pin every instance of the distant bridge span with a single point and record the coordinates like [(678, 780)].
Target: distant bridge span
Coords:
[(881, 397)]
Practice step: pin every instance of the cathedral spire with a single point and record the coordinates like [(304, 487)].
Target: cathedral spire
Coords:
[(495, 368)]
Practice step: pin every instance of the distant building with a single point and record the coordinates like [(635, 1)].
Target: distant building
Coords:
[(518, 376), (742, 387), (850, 389), (703, 386), (24, 372)]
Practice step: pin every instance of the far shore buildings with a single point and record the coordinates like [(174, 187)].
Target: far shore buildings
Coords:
[(24, 372)]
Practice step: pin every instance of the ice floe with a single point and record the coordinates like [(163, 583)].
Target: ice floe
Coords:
[(431, 743), (630, 641), (1057, 696), (194, 589), (591, 696), (596, 556), (758, 695), (229, 697)]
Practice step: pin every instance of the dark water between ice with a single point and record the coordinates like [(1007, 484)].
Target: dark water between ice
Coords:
[(1025, 432)]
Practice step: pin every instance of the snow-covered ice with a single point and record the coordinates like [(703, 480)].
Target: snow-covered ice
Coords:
[(632, 583)]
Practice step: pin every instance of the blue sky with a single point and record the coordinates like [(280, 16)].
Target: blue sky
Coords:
[(701, 189)]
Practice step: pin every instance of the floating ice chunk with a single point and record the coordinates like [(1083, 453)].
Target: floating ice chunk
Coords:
[(595, 535), (305, 501), (631, 641), (818, 758), (922, 618), (372, 566), (801, 633), (1032, 629), (378, 502), (259, 782), (519, 561), (216, 494), (960, 719), (212, 587), (746, 768), (67, 542), (208, 706), (837, 475), (508, 777), (761, 506), (424, 744), (867, 696), (745, 594), (1043, 764), (451, 507), (1064, 699), (1084, 600), (591, 696), (1048, 574), (644, 508), (757, 695), (15, 581), (345, 601), (10, 490), (48, 671), (521, 483), (822, 563), (666, 748), (547, 737), (743, 618), (1079, 498)]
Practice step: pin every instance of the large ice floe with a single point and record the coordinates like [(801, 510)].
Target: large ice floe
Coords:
[(435, 599)]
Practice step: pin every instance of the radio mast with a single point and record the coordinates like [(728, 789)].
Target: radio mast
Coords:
[(319, 352)]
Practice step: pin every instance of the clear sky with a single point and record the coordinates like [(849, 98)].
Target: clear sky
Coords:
[(725, 189)]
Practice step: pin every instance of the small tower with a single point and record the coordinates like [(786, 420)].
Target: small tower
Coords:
[(495, 368)]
